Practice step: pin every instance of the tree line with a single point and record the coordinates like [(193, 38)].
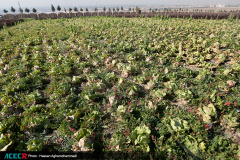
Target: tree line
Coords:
[(136, 9), (95, 9), (13, 10), (20, 10)]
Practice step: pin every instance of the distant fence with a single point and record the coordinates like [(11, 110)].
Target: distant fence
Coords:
[(196, 15)]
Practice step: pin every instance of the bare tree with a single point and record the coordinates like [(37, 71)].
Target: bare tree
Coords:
[(20, 10)]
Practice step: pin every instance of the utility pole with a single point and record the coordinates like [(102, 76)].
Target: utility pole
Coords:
[(20, 9), (19, 5), (97, 9)]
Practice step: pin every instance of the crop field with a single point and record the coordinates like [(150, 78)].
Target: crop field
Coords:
[(163, 85)]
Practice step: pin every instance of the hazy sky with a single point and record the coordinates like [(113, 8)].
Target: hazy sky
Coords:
[(78, 3)]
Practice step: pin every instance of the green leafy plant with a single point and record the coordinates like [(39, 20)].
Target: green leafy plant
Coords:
[(117, 84), (141, 136)]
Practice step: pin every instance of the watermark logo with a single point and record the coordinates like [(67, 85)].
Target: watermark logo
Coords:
[(16, 156)]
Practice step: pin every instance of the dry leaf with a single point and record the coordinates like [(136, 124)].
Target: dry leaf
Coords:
[(6, 147), (82, 144), (231, 83), (112, 99)]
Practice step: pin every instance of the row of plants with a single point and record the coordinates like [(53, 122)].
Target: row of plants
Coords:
[(117, 84)]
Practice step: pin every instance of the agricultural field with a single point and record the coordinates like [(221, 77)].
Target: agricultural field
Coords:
[(163, 85)]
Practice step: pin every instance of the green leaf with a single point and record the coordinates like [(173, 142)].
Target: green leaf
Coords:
[(83, 132), (178, 124), (120, 80), (5, 148), (166, 71), (206, 118), (143, 129), (209, 110), (133, 90), (231, 120), (184, 94), (3, 141), (227, 71), (236, 67), (170, 85), (140, 135), (202, 146), (160, 93), (213, 95), (110, 76), (35, 144), (121, 109)]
